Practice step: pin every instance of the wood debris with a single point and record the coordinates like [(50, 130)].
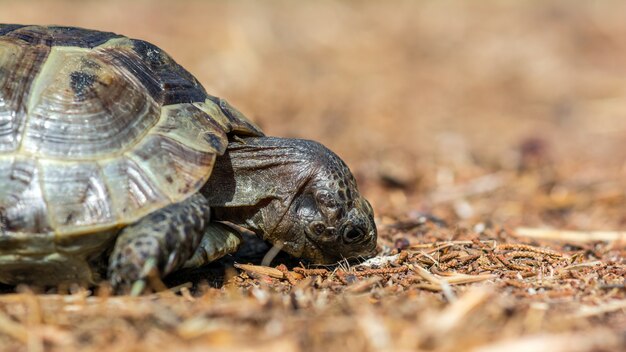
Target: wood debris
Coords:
[(495, 168)]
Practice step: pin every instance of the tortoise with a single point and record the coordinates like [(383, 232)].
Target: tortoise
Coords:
[(115, 162)]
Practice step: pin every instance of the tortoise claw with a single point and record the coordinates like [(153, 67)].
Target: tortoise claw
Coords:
[(148, 270)]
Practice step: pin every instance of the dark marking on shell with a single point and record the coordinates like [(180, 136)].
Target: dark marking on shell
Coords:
[(6, 28), (225, 107), (181, 94), (166, 81), (84, 38), (215, 141), (81, 82), (60, 36), (138, 68), (179, 86), (189, 122), (235, 117), (152, 54), (22, 174), (89, 64)]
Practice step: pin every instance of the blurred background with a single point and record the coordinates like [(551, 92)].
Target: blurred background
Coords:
[(478, 112)]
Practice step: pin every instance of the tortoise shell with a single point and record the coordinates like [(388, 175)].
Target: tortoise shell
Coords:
[(96, 131)]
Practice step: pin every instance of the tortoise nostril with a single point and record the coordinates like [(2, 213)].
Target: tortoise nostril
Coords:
[(319, 228)]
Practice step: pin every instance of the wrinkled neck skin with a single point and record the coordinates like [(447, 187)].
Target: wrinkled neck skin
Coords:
[(296, 194)]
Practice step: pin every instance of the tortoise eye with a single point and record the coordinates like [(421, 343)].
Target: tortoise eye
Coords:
[(326, 199), (353, 234)]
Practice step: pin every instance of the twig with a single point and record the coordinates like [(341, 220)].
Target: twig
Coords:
[(364, 285), (426, 275), (466, 279), (263, 270), (510, 265), (428, 287), (12, 328), (311, 272), (583, 265), (446, 257), (381, 271), (457, 313), (571, 236), (445, 244), (402, 257), (468, 258), (290, 276), (585, 312), (526, 248), (479, 185), (442, 283)]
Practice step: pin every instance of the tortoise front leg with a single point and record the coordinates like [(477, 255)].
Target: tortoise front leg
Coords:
[(163, 240), (217, 241)]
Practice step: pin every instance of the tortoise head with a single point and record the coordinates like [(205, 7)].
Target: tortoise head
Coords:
[(335, 220), (297, 194)]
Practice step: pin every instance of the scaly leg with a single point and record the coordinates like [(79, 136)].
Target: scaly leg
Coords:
[(163, 240), (217, 241)]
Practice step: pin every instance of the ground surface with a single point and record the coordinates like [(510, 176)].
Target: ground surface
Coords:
[(499, 118)]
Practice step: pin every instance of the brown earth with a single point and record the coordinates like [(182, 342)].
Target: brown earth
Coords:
[(473, 128)]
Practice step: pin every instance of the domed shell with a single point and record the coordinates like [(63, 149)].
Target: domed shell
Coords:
[(97, 130)]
